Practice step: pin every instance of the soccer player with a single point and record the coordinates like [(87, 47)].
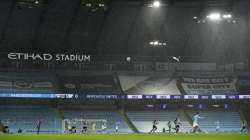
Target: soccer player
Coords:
[(19, 131), (177, 124), (38, 125), (104, 127), (169, 126), (94, 127), (154, 128), (196, 126), (217, 124), (117, 127), (84, 127), (244, 128)]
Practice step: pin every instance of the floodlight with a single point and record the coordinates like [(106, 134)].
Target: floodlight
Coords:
[(156, 4), (227, 16), (214, 16), (156, 43)]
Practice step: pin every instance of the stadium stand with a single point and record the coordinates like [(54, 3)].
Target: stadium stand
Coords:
[(143, 120), (227, 121), (111, 117), (26, 118)]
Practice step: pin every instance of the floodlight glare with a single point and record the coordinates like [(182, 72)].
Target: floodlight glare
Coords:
[(156, 4), (227, 16), (214, 16), (156, 43)]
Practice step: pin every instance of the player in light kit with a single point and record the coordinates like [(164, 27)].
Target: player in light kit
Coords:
[(154, 128), (196, 126), (93, 126), (117, 124), (104, 127), (217, 124)]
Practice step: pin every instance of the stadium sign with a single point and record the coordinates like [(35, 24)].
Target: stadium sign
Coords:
[(49, 57)]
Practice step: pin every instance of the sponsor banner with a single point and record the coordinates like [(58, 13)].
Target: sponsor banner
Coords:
[(149, 97), (176, 97), (204, 97), (20, 91), (162, 97), (191, 97), (17, 84), (134, 96), (102, 96), (36, 95), (232, 97), (219, 97), (244, 96)]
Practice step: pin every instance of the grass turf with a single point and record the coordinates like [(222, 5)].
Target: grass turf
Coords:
[(129, 137)]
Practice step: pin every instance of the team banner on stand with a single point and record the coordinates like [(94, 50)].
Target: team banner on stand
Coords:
[(209, 86), (105, 84)]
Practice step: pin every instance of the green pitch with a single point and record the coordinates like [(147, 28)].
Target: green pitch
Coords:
[(130, 137)]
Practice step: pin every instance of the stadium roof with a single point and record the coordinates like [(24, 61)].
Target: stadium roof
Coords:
[(120, 27)]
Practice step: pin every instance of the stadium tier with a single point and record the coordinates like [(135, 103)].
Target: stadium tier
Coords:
[(143, 120), (16, 84)]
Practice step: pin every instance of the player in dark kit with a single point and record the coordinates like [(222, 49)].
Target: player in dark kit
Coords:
[(38, 126), (169, 126), (244, 128), (177, 123), (154, 128), (84, 127)]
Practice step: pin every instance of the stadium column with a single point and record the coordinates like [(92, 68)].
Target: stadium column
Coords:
[(243, 119), (124, 116), (186, 115)]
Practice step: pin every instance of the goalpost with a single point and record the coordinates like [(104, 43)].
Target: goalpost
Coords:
[(76, 125)]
